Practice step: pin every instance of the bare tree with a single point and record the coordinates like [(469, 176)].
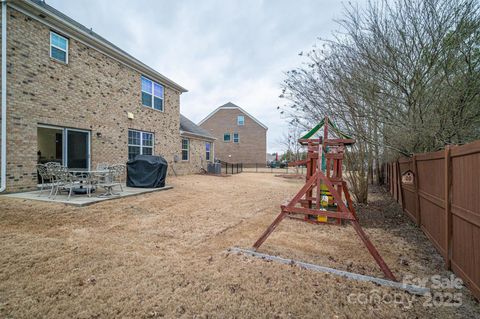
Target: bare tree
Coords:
[(289, 140), (400, 76)]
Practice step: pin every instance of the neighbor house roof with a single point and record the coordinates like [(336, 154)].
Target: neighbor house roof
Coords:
[(231, 106), (187, 127), (39, 10)]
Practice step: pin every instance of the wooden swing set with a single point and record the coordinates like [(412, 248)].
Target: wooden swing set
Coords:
[(320, 200)]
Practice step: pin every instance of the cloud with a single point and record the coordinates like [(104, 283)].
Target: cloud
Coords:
[(219, 50)]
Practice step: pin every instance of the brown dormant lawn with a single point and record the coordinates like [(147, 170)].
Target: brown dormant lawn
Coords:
[(164, 255)]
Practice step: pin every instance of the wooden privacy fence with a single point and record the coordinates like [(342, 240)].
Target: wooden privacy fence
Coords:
[(443, 198)]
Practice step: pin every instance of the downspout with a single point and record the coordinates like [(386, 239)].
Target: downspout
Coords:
[(3, 172)]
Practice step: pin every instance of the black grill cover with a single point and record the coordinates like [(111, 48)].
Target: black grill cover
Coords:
[(147, 171)]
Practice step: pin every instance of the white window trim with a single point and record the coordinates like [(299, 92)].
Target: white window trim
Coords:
[(187, 149), (230, 139), (141, 141), (209, 151), (153, 94), (243, 122), (56, 47), (238, 138)]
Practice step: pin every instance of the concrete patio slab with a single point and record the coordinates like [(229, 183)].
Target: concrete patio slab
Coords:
[(84, 200)]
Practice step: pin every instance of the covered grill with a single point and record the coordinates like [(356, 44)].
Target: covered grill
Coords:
[(147, 171)]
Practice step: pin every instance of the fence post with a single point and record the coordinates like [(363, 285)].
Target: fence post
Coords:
[(256, 167), (448, 211), (387, 165), (417, 192), (399, 186), (391, 178), (394, 181)]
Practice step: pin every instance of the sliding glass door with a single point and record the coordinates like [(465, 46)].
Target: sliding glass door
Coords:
[(70, 147), (77, 148)]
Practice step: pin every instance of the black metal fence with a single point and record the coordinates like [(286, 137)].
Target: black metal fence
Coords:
[(268, 168), (235, 168), (231, 168)]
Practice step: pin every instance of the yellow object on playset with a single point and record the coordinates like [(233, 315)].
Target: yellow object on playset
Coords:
[(325, 200), (324, 191)]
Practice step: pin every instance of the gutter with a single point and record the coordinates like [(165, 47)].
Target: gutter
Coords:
[(3, 172)]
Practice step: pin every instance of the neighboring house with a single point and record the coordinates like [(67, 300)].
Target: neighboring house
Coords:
[(241, 138), (75, 98)]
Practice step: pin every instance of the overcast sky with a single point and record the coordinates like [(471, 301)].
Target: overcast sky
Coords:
[(221, 51)]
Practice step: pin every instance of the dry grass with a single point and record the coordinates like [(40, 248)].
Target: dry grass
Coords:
[(163, 255)]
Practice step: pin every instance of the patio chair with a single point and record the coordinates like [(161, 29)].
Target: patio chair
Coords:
[(112, 179), (119, 173), (96, 178), (51, 168), (44, 176), (64, 181)]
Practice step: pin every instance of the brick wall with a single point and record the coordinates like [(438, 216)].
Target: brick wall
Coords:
[(92, 92), (252, 147), (197, 159)]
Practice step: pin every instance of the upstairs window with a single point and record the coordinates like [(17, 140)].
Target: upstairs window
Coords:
[(226, 137), (185, 149), (208, 147), (139, 143), (241, 120), (152, 94), (236, 138), (58, 47)]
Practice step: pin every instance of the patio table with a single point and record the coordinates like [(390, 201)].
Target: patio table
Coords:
[(85, 175)]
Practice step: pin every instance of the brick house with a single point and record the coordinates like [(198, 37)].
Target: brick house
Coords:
[(75, 98), (241, 138)]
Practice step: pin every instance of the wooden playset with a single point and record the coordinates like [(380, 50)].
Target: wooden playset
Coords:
[(324, 199)]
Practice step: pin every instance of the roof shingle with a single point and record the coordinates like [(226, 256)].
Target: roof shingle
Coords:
[(188, 126)]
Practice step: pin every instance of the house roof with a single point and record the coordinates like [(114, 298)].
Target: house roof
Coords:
[(187, 127), (231, 106), (39, 10)]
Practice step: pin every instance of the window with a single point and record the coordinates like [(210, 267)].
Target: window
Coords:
[(58, 47), (139, 143), (185, 149), (152, 94), (208, 146), (241, 120), (236, 138), (226, 137)]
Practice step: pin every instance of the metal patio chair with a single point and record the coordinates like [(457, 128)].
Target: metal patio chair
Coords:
[(51, 168), (44, 176), (64, 181), (112, 179), (118, 174)]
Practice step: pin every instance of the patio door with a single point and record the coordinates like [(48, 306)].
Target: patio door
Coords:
[(70, 147), (77, 147)]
